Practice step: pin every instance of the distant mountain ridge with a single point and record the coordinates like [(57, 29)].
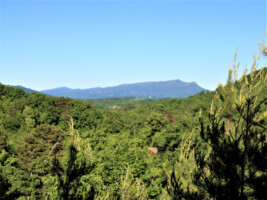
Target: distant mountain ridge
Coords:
[(155, 89)]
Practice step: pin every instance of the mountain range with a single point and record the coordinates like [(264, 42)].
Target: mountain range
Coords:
[(157, 90)]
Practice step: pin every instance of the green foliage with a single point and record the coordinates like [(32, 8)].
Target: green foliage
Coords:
[(93, 160), (38, 143), (119, 103), (233, 167), (60, 148), (132, 188)]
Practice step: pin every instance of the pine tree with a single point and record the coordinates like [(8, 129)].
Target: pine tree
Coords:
[(235, 167)]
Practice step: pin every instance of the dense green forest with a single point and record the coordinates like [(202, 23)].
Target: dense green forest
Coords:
[(209, 146), (118, 103)]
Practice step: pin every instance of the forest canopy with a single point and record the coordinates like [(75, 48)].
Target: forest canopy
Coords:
[(210, 145)]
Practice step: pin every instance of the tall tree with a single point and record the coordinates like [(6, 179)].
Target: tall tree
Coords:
[(235, 165)]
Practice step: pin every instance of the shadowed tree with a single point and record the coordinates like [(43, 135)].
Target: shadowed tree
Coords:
[(74, 176), (233, 165)]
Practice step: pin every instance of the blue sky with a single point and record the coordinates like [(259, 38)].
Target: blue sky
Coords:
[(83, 44)]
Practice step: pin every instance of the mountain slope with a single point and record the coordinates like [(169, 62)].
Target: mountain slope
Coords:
[(161, 89), (27, 90)]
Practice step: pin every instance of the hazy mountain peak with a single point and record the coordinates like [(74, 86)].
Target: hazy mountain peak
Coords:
[(155, 89)]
